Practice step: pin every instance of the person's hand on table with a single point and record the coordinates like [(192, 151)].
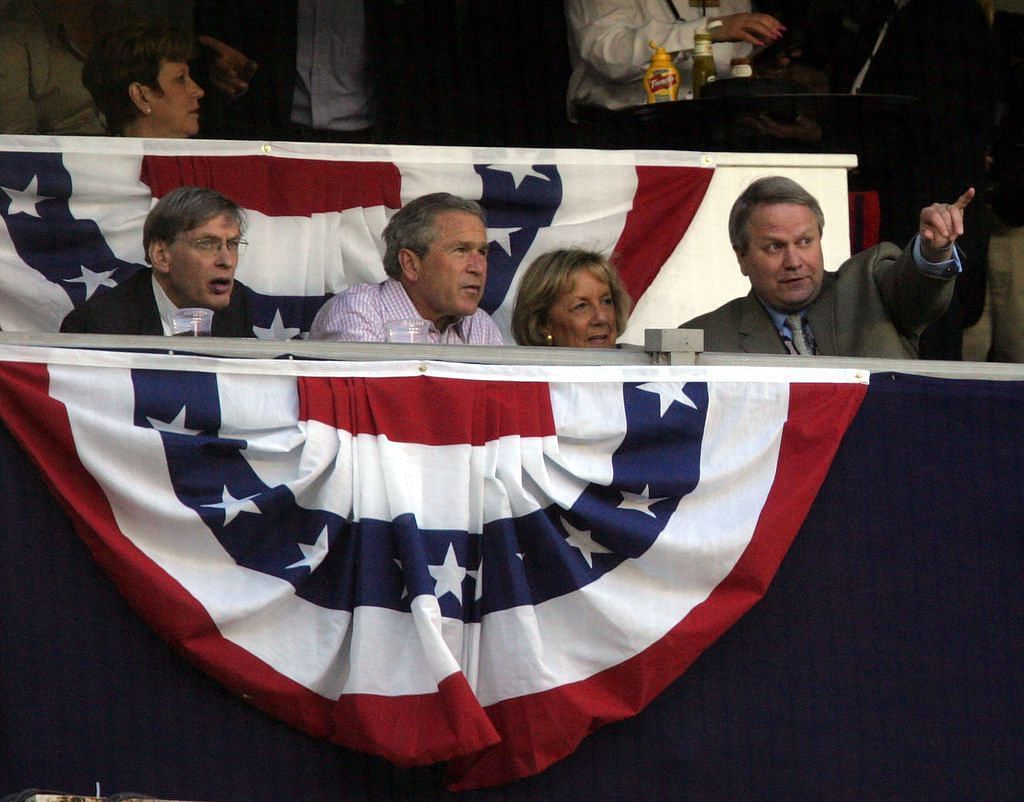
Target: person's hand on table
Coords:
[(758, 29)]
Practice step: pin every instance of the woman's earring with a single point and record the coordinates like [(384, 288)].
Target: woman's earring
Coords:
[(549, 339)]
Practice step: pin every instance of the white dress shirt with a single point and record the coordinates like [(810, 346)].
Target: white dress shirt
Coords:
[(609, 50)]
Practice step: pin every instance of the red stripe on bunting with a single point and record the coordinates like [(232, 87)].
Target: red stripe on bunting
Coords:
[(666, 200), (540, 729), (280, 186), (475, 412)]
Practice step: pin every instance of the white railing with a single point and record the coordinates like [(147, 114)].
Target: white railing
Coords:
[(665, 347)]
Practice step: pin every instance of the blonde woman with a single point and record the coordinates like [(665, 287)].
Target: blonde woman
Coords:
[(572, 298)]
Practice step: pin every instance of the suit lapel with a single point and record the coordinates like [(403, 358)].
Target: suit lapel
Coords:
[(758, 334), (821, 318), (234, 320), (146, 313)]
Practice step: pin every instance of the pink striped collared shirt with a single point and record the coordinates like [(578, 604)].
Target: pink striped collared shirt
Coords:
[(360, 314)]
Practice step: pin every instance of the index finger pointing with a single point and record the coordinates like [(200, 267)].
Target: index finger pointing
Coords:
[(965, 199)]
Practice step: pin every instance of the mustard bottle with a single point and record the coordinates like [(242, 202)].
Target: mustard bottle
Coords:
[(661, 81)]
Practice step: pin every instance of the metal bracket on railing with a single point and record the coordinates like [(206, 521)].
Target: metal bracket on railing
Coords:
[(674, 346)]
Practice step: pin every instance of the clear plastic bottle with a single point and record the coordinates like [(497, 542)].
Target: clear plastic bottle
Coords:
[(661, 81), (703, 62)]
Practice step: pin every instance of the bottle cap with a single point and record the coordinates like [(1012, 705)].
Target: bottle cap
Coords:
[(660, 57), (740, 68)]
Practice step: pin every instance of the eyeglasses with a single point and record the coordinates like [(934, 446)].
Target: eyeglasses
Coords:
[(210, 245)]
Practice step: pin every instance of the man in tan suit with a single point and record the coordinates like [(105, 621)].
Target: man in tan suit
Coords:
[(875, 305)]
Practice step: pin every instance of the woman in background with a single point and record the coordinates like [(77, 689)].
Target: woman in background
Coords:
[(139, 78), (570, 297)]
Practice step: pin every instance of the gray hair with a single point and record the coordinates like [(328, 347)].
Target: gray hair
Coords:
[(185, 208), (765, 191), (413, 226)]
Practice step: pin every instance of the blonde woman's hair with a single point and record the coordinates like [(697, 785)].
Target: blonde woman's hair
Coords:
[(548, 277)]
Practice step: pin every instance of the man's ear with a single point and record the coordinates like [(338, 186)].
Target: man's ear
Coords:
[(410, 264), (740, 257), (160, 256)]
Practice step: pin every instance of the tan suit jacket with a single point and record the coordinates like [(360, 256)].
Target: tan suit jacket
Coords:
[(875, 305)]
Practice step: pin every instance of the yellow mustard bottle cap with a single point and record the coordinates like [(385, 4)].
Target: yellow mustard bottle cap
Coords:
[(660, 57)]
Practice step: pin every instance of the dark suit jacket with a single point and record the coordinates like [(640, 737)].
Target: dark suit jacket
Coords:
[(130, 308), (875, 305)]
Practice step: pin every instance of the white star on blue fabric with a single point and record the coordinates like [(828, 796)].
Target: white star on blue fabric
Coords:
[(448, 575), (641, 503), (277, 330), (313, 555), (519, 172), (93, 279), (232, 506), (667, 393), (581, 539), (502, 237), (176, 426), (24, 201)]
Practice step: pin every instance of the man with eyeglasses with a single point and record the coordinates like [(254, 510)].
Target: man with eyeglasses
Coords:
[(192, 239)]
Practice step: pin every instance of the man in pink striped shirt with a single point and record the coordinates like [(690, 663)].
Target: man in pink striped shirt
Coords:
[(436, 262)]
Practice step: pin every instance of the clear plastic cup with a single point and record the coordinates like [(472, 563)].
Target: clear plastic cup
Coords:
[(192, 322), (412, 330)]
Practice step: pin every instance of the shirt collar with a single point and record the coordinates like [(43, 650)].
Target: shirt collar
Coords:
[(164, 306), (779, 318), (397, 293)]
